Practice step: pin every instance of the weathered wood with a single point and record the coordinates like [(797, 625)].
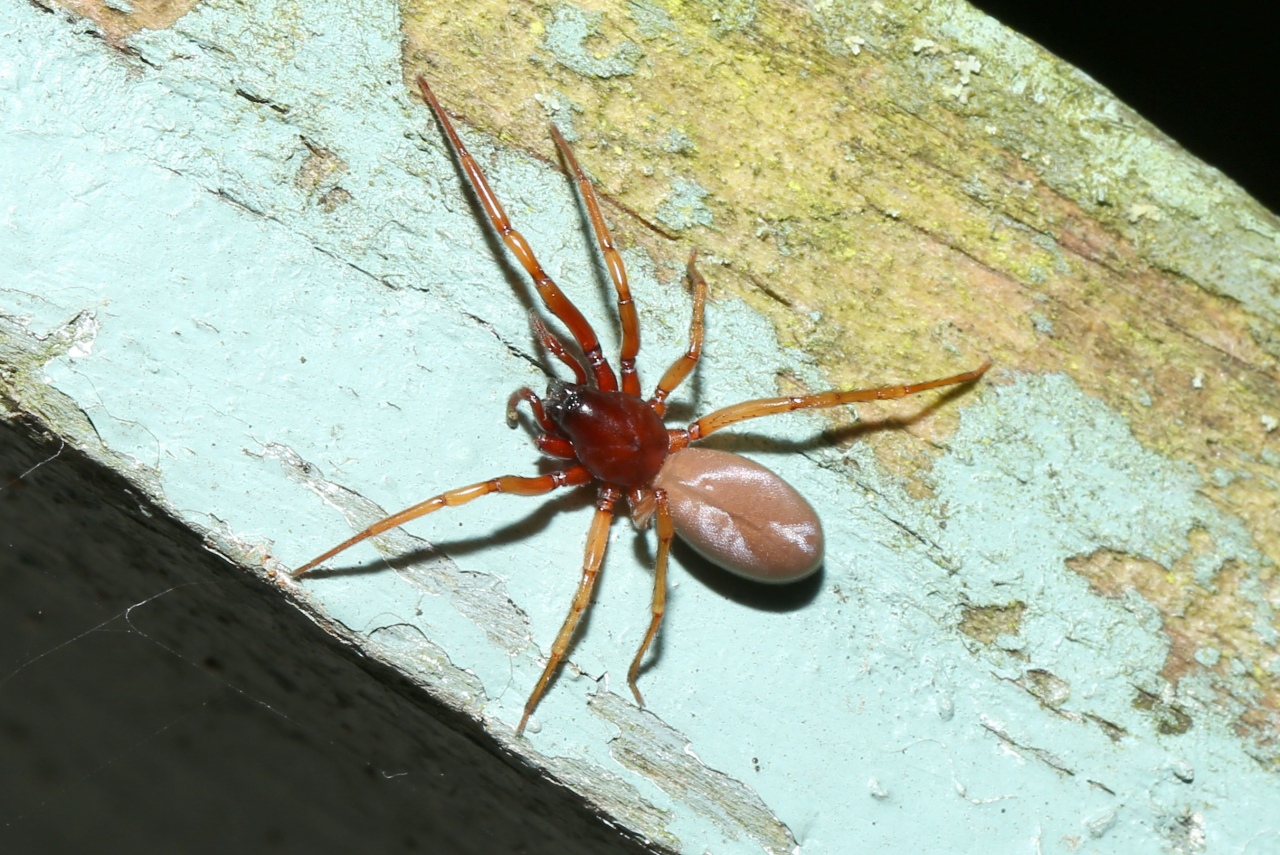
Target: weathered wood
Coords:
[(1053, 591)]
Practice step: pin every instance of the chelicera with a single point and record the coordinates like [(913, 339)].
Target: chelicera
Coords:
[(734, 512)]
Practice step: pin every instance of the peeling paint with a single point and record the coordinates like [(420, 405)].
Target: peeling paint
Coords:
[(662, 754), (685, 208), (567, 39)]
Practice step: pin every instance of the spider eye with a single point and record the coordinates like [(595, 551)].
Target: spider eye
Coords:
[(562, 399)]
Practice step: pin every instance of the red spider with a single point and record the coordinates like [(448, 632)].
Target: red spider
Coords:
[(734, 512)]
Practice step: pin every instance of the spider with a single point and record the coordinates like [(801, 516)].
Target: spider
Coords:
[(734, 512)]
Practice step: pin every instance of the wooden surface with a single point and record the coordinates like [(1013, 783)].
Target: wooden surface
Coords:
[(1049, 597)]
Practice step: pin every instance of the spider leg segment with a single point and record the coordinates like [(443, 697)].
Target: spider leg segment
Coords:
[(554, 445), (712, 422), (516, 484), (530, 397), (552, 297), (666, 531), (617, 270), (680, 369), (597, 539), (554, 346)]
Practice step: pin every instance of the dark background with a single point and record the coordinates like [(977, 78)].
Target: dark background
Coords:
[(1204, 75)]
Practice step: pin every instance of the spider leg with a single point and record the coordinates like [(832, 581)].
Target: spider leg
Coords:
[(597, 539), (552, 297), (617, 270), (665, 532), (770, 406), (516, 484), (553, 345), (680, 369)]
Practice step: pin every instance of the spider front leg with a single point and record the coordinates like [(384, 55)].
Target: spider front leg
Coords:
[(554, 346), (552, 297), (517, 484), (627, 315), (597, 540)]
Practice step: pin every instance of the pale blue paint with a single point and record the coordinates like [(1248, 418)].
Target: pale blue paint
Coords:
[(863, 718)]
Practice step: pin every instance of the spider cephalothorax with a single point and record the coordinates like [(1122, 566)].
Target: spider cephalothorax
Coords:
[(619, 438)]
